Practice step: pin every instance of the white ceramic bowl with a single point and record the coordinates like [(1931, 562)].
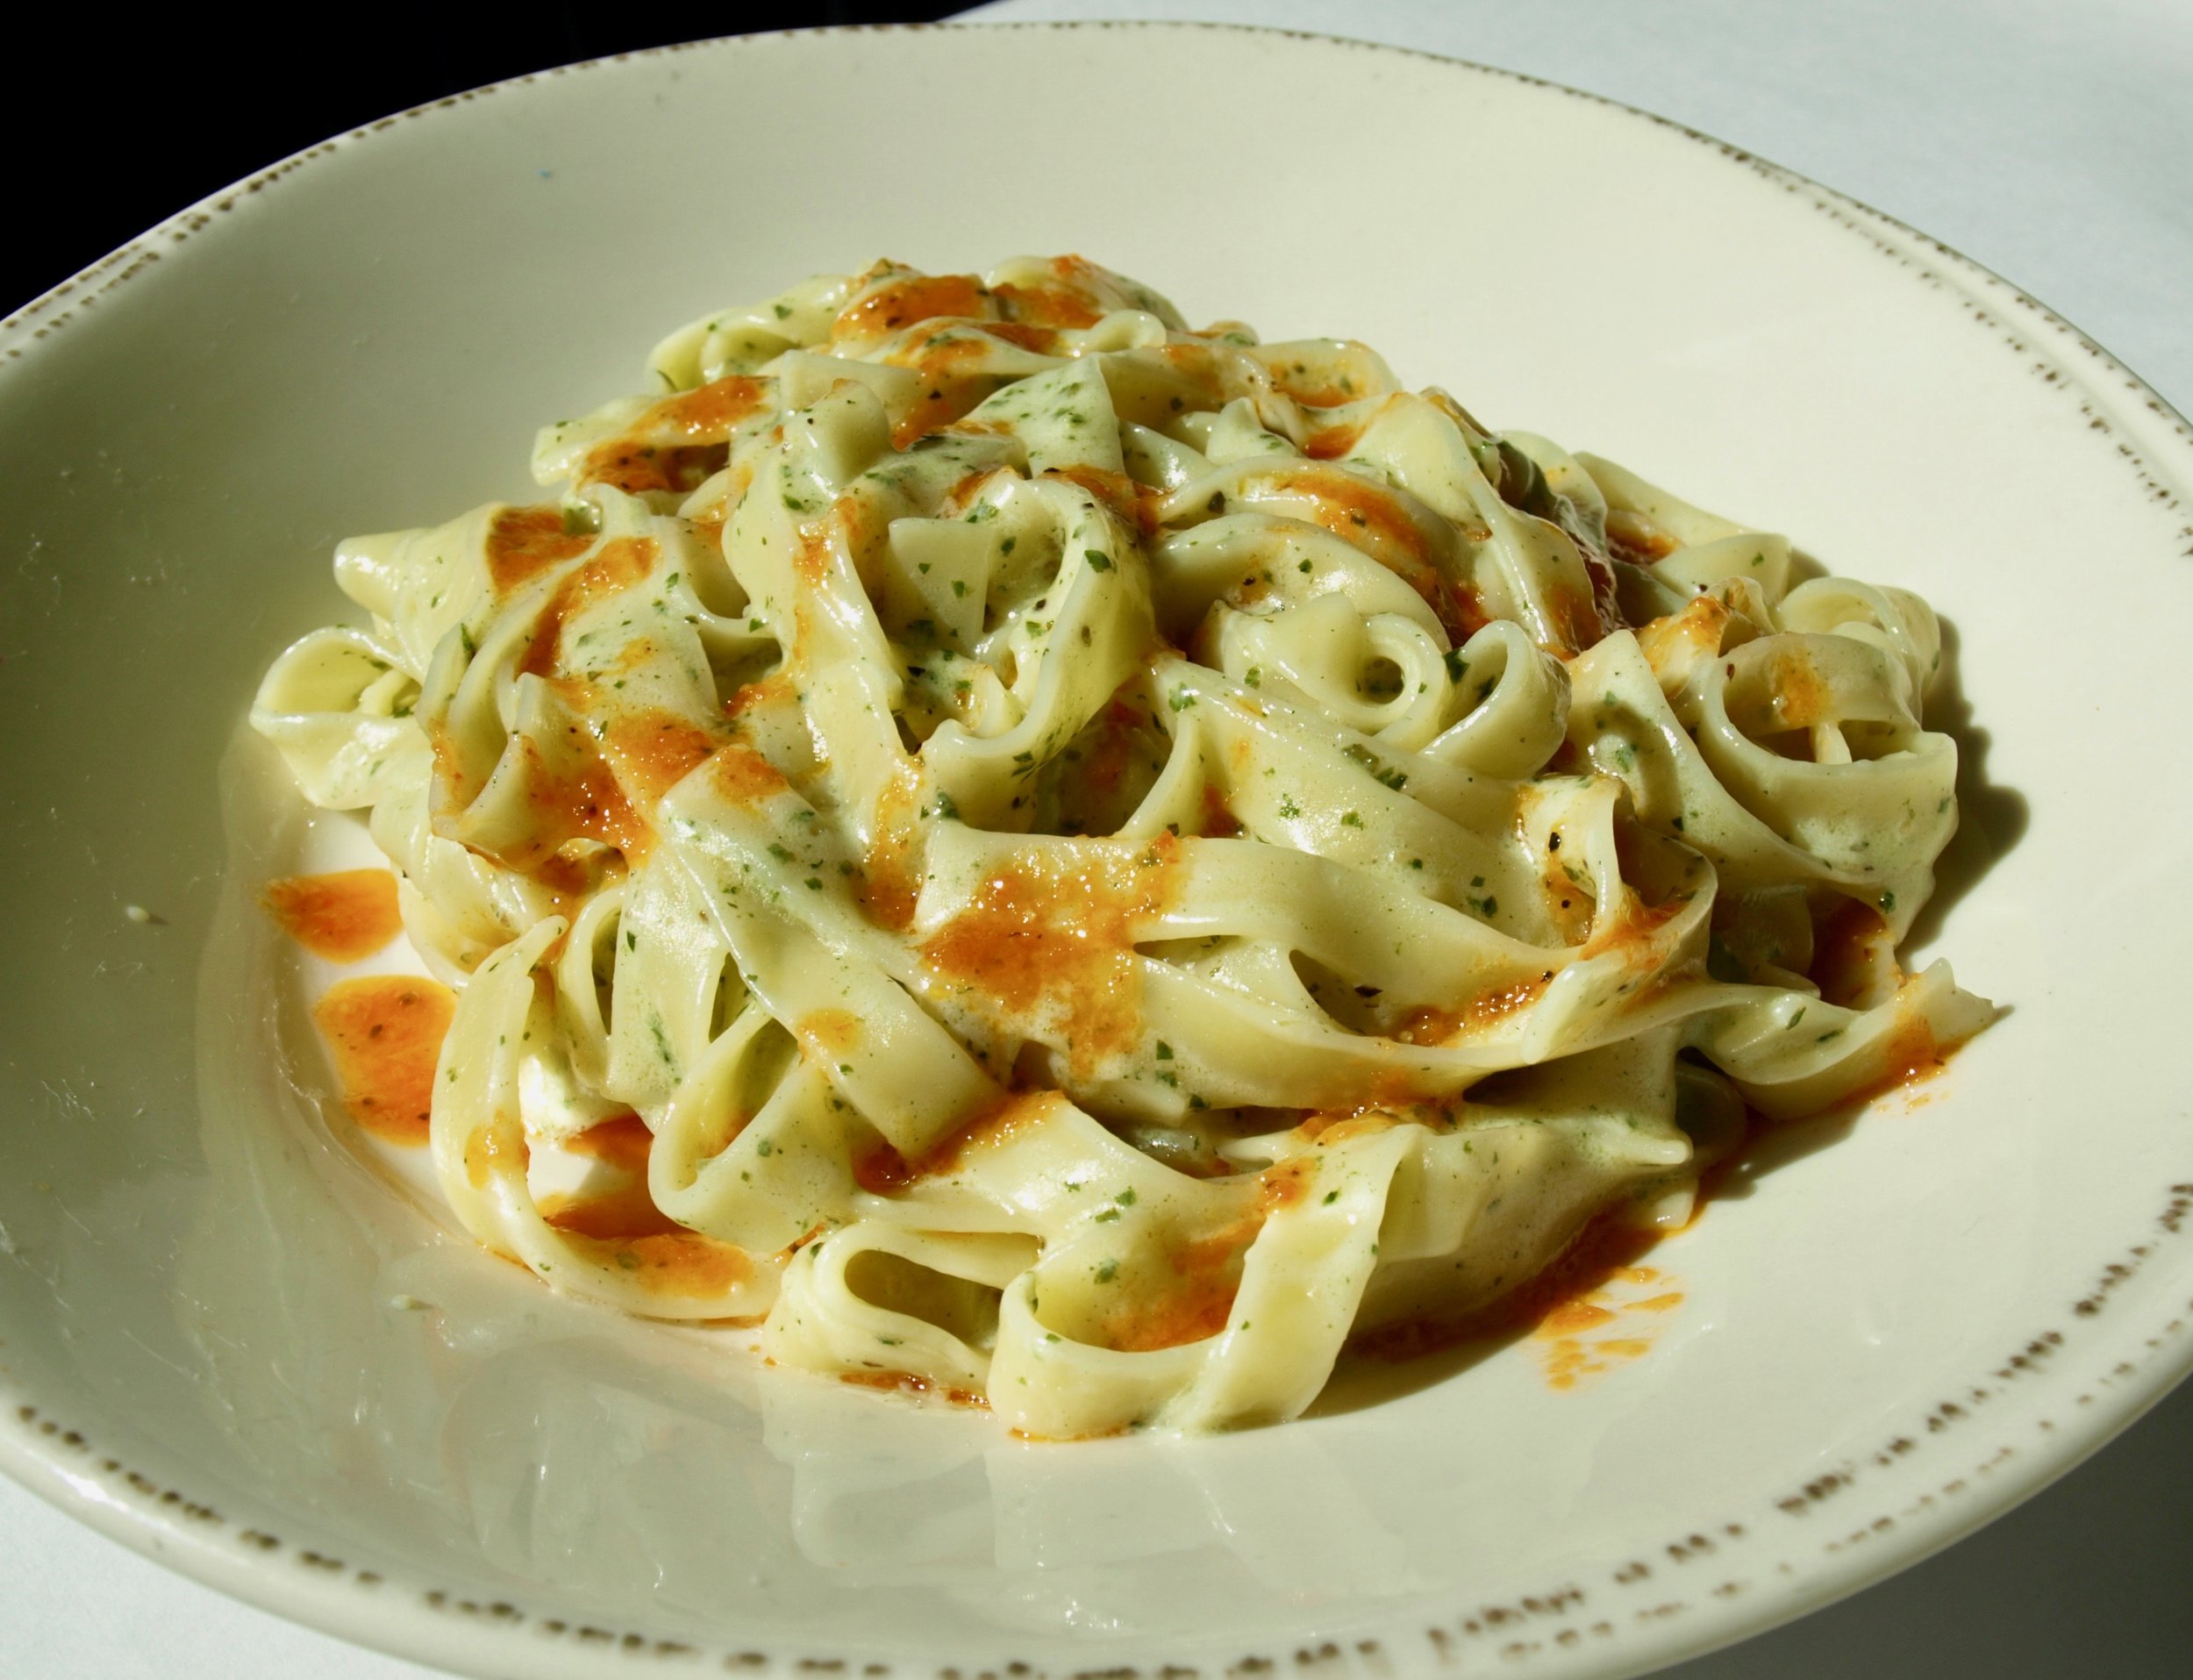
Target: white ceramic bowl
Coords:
[(1891, 1332)]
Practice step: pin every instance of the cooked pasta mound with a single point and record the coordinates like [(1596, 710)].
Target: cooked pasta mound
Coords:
[(1040, 854)]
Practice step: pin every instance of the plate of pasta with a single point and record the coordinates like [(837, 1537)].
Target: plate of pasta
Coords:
[(937, 959)]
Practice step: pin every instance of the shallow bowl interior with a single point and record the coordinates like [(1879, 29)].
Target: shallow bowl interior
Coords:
[(1892, 1329)]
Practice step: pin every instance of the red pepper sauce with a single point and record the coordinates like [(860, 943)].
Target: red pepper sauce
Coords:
[(621, 563), (623, 1208), (673, 1262), (620, 1226), (880, 1170), (910, 298), (385, 1032), (523, 542), (1044, 943), (343, 917)]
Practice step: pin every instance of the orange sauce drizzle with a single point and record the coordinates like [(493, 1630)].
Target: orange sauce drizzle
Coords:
[(1356, 512), (1219, 822), (680, 442), (1042, 339), (607, 1215), (343, 917), (622, 1142), (943, 401), (959, 369), (636, 467), (1331, 442), (1633, 924), (1070, 303), (1371, 521), (385, 1032), (1060, 942), (1557, 1302), (582, 803), (1697, 631), (708, 413), (1048, 306), (1315, 396), (1285, 1184), (1196, 1301), (880, 1170), (673, 1262), (1801, 698), (621, 1228), (655, 750), (743, 776), (502, 1138), (1911, 1057), (1329, 1127), (1637, 540), (1431, 1025), (812, 559), (523, 542), (618, 565), (910, 298), (831, 1033), (1572, 1347), (624, 1209), (889, 884), (1193, 1301), (773, 690), (1570, 902), (951, 386)]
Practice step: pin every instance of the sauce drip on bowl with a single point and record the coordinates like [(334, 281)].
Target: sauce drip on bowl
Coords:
[(386, 1030), (344, 916)]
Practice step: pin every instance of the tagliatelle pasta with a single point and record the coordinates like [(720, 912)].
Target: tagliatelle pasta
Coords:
[(1038, 853)]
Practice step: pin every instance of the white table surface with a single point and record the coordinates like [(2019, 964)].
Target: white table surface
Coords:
[(2051, 140)]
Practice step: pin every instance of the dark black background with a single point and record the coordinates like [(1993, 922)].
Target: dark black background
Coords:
[(104, 138)]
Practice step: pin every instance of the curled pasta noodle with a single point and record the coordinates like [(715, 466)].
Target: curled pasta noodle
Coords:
[(1034, 852)]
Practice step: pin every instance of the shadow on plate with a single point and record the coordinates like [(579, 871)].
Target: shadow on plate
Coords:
[(1991, 818)]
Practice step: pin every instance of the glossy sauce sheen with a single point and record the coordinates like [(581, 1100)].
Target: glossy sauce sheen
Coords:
[(344, 916), (386, 1032)]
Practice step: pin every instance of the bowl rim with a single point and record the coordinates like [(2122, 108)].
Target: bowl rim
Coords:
[(61, 1466)]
